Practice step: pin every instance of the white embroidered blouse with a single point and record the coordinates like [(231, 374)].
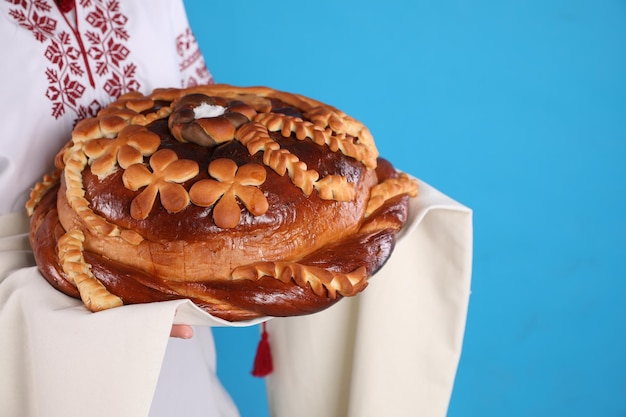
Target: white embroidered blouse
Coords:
[(60, 67)]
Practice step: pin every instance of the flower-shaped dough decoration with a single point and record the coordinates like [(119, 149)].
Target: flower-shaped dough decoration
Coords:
[(128, 148), (167, 173), (229, 184)]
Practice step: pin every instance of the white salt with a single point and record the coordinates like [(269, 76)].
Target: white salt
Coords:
[(207, 110)]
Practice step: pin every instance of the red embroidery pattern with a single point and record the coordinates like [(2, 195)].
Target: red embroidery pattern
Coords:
[(192, 66), (41, 26), (107, 49), (73, 63)]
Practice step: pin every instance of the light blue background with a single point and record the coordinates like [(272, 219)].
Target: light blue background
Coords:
[(516, 109)]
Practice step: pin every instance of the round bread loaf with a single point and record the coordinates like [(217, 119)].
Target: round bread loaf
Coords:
[(248, 201)]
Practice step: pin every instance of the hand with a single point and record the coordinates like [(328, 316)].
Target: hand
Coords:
[(181, 331)]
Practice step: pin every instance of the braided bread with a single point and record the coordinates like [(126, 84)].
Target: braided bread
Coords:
[(248, 201)]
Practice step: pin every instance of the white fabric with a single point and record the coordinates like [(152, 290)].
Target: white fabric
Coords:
[(58, 359), (393, 350), (193, 360)]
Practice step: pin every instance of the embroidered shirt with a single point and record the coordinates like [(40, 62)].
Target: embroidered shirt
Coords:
[(63, 61)]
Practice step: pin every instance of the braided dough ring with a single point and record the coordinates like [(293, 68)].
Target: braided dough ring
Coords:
[(248, 201)]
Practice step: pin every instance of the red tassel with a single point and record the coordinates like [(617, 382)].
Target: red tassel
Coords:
[(263, 365)]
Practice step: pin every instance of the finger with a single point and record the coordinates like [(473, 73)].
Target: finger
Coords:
[(181, 331)]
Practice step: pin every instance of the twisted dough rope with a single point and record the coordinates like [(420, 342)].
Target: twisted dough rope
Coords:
[(386, 190), (75, 163), (41, 188), (93, 294)]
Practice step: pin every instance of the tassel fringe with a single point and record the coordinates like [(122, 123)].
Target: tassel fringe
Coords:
[(263, 365)]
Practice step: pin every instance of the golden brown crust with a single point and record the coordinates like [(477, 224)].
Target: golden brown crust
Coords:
[(249, 201)]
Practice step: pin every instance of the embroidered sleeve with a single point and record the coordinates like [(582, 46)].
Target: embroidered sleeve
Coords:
[(193, 69)]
